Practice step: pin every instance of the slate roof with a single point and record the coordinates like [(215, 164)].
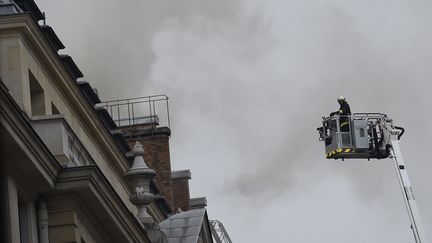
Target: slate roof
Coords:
[(31, 7), (184, 227)]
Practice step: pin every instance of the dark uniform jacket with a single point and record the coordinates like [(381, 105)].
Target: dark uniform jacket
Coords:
[(343, 111)]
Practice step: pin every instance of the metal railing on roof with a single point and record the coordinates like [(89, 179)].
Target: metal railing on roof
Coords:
[(149, 111)]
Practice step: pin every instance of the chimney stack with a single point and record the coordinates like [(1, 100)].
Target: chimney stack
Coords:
[(180, 184), (198, 202)]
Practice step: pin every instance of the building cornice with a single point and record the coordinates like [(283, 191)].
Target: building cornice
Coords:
[(89, 181), (30, 32)]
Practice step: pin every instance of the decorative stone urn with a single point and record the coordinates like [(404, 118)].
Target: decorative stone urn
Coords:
[(140, 177)]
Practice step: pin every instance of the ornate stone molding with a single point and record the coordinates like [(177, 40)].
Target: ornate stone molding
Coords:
[(140, 177), (78, 155)]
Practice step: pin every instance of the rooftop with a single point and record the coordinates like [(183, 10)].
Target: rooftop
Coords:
[(184, 227)]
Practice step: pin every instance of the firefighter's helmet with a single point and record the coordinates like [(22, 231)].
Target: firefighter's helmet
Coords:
[(341, 98)]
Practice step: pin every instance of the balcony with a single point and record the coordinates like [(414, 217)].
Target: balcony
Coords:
[(61, 140)]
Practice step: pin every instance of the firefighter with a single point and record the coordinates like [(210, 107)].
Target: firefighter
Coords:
[(344, 111)]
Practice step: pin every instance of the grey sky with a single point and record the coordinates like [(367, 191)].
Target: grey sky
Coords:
[(249, 82)]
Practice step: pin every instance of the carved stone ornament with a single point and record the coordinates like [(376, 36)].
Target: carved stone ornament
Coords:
[(140, 177)]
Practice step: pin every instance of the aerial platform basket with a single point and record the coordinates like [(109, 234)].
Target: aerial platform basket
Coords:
[(358, 136)]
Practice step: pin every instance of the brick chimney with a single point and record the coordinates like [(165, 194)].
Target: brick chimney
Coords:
[(180, 183), (137, 119)]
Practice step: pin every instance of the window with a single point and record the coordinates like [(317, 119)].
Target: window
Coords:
[(362, 133), (37, 97)]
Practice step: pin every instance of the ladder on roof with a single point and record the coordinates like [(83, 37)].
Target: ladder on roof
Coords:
[(219, 233)]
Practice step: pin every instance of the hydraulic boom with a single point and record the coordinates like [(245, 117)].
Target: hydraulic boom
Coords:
[(407, 192)]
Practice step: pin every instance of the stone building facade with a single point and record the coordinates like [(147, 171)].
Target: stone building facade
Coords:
[(67, 172)]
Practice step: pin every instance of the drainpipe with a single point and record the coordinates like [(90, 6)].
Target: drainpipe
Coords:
[(42, 213)]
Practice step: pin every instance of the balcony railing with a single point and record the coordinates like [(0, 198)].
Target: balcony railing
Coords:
[(149, 111), (61, 140)]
